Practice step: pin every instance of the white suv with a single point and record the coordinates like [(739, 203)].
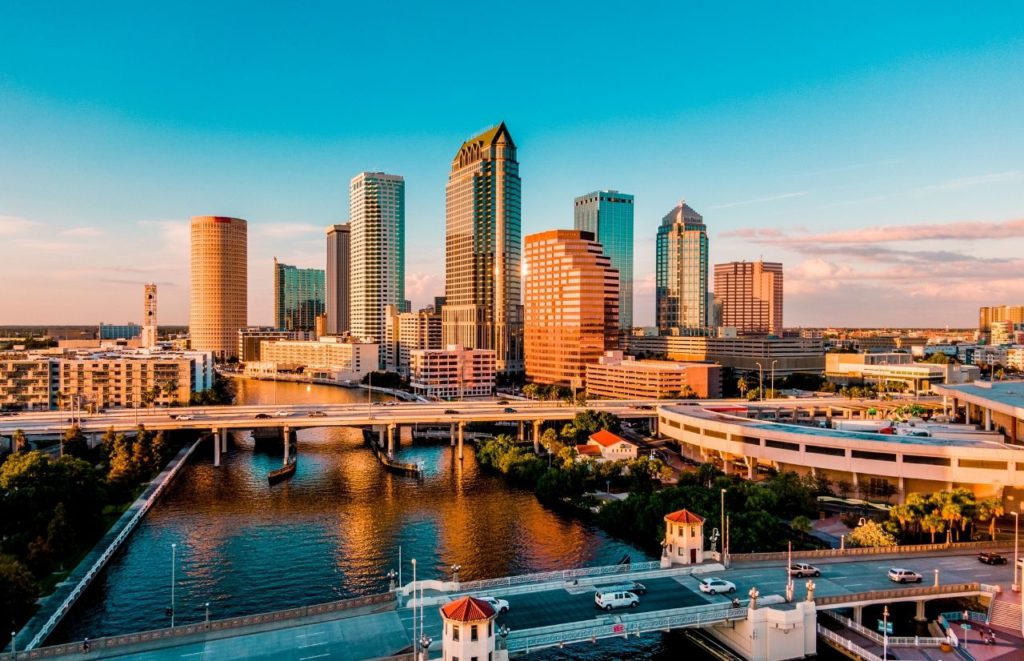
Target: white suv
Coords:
[(898, 575), (610, 600)]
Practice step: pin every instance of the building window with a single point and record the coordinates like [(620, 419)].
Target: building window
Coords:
[(455, 632), (473, 633), (693, 531)]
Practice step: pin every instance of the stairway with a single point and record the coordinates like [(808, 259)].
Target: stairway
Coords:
[(1005, 614)]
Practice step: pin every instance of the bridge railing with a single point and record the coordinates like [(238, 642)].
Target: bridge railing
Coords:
[(576, 632), (894, 641), (559, 575), (169, 635), (897, 593), (848, 645), (783, 556)]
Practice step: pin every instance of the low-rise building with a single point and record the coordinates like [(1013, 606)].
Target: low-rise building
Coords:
[(405, 332), (330, 358), (847, 368), (453, 372), (27, 381), (250, 339), (606, 446), (119, 331), (790, 354), (617, 376)]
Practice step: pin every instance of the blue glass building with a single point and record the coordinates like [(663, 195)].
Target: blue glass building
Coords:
[(298, 297), (609, 215)]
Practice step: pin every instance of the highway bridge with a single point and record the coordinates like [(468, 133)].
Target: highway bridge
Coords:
[(557, 609)]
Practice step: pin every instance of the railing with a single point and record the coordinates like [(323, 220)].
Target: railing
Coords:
[(529, 640), (958, 616), (842, 553), (894, 641), (170, 635), (847, 645), (561, 575), (897, 593), (112, 548)]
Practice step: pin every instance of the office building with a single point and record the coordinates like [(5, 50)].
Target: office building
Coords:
[(616, 376), (219, 284), (330, 358), (483, 249), (452, 373), (119, 331), (149, 318), (786, 354), (608, 215), (750, 294), (298, 297), (1011, 313), (681, 271), (377, 208), (251, 337), (338, 280), (407, 332), (571, 306)]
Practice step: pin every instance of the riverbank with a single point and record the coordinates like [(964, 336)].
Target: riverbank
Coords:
[(54, 606)]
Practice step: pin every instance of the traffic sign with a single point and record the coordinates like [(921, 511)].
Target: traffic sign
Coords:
[(966, 625), (884, 626)]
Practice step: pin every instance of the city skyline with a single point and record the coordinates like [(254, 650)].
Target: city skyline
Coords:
[(887, 204)]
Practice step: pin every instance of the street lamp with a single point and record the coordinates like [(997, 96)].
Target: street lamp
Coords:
[(885, 633), (760, 380), (503, 632), (174, 553), (455, 573), (1016, 530), (207, 606), (724, 537), (425, 642), (773, 377), (414, 630)]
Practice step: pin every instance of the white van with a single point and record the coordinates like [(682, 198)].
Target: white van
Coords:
[(609, 599)]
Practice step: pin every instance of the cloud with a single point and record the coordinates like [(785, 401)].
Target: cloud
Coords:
[(422, 287), (15, 225), (771, 198), (82, 232), (959, 231), (977, 180)]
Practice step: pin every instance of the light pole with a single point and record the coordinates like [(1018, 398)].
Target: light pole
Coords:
[(724, 550), (773, 378), (414, 631), (1016, 530), (425, 642), (174, 553), (207, 605), (760, 380), (885, 633)]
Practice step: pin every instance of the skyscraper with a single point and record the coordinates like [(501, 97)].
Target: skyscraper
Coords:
[(338, 278), (149, 325), (682, 272), (751, 296), (483, 249), (609, 215), (219, 284), (377, 267), (571, 306), (298, 297)]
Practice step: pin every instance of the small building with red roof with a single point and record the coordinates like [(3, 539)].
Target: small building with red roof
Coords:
[(611, 446), (468, 629), (684, 539)]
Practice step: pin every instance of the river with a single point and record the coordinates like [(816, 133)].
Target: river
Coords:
[(331, 532)]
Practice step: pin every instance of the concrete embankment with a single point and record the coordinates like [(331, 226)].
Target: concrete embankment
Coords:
[(57, 604)]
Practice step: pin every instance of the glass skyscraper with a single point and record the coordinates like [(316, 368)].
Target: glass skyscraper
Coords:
[(682, 272), (608, 215), (298, 297), (377, 259)]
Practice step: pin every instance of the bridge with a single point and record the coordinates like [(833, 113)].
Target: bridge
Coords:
[(557, 609)]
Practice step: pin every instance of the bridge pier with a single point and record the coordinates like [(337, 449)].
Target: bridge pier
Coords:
[(453, 435), (858, 614), (224, 440), (216, 448), (391, 440), (919, 615), (536, 436), (462, 429), (522, 432), (287, 444)]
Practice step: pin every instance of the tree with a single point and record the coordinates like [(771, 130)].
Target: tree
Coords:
[(60, 536), (18, 591), (801, 524), (870, 535), (19, 442), (74, 443), (742, 386), (989, 510)]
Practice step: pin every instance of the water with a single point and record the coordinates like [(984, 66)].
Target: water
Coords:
[(333, 531)]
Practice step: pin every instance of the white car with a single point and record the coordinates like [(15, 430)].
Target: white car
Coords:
[(612, 599), (898, 575), (282, 414), (185, 417), (499, 605), (716, 585), (801, 569)]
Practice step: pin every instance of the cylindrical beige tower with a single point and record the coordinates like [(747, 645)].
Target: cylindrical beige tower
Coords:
[(219, 284)]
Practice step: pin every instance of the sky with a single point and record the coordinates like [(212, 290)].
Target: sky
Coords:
[(875, 148)]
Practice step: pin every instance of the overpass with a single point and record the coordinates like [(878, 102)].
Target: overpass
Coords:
[(557, 609)]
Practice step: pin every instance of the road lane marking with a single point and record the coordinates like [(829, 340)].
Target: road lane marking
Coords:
[(315, 656)]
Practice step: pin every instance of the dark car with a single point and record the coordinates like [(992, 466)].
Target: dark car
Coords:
[(645, 407), (990, 558), (450, 412), (509, 409), (263, 416), (503, 401), (317, 414)]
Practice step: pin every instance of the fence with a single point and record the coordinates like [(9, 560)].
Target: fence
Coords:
[(783, 556), (894, 641), (101, 562), (171, 635), (898, 593), (561, 575), (847, 645)]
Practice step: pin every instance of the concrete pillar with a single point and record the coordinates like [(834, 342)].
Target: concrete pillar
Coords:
[(654, 427), (751, 467), (919, 613), (380, 437), (858, 612), (391, 440), (287, 444), (462, 428), (536, 436), (988, 419), (216, 448), (224, 440), (726, 466), (453, 435), (522, 431)]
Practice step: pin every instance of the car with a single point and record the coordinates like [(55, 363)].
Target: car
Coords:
[(716, 585), (263, 416), (635, 587), (282, 414), (610, 599), (800, 569), (645, 407), (509, 409), (991, 558), (503, 401), (450, 412), (900, 575), (186, 417), (317, 414), (499, 605)]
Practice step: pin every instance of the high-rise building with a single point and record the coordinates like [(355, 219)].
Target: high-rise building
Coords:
[(682, 272), (219, 287), (571, 307), (298, 297), (377, 208), (751, 296), (609, 215), (149, 324), (338, 278), (406, 332), (483, 249), (1011, 313)]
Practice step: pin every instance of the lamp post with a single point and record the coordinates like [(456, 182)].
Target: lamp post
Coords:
[(207, 606), (455, 573), (174, 554), (885, 633), (1016, 530), (414, 630), (760, 381), (724, 550), (773, 378), (425, 642)]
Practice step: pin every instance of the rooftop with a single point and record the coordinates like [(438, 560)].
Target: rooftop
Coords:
[(607, 438), (997, 394), (684, 516), (467, 609)]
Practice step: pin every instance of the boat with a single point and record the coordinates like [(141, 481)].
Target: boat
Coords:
[(282, 473)]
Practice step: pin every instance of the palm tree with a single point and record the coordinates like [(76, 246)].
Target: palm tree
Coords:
[(742, 386), (933, 523), (989, 510)]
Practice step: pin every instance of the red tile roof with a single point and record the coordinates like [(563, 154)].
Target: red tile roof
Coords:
[(467, 609), (608, 439), (684, 516), (589, 450)]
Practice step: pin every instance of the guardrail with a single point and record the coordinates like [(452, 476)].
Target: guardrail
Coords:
[(894, 641), (559, 575), (112, 548), (529, 640), (897, 593), (172, 635), (847, 552), (847, 645), (958, 616)]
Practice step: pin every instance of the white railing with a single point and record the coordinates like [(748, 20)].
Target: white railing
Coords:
[(848, 645), (894, 641)]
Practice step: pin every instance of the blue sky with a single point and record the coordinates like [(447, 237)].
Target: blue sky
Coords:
[(876, 149)]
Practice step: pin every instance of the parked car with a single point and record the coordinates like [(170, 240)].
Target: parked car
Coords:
[(263, 416), (899, 575), (716, 585), (616, 599), (509, 409), (450, 412), (991, 558), (317, 414), (636, 587), (499, 605), (800, 569)]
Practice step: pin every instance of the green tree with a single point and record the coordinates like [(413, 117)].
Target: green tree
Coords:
[(989, 509), (18, 591), (742, 386), (801, 524), (871, 534), (60, 536), (19, 442), (74, 443)]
